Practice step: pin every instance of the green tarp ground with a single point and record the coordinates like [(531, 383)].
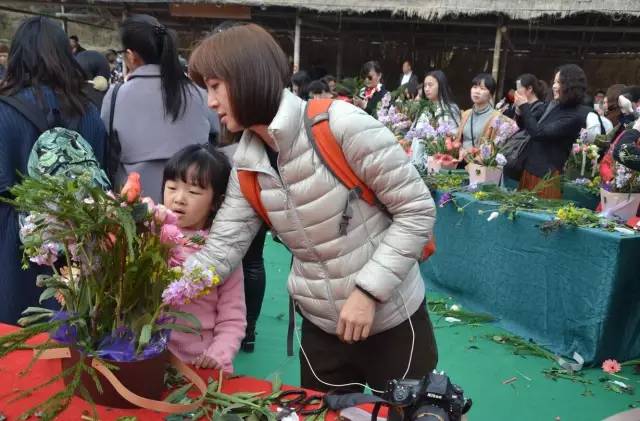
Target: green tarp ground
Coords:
[(479, 365)]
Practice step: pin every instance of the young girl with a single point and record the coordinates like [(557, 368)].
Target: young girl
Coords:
[(194, 182)]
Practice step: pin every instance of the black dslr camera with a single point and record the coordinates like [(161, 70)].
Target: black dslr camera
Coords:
[(433, 398)]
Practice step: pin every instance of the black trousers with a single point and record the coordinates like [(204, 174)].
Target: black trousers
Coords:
[(374, 361), (254, 277)]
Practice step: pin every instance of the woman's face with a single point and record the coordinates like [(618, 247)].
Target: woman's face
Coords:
[(373, 78), (220, 102), (431, 89), (556, 86), (480, 95)]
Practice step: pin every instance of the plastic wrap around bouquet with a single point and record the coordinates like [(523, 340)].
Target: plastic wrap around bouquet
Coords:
[(116, 274), (434, 146), (620, 197)]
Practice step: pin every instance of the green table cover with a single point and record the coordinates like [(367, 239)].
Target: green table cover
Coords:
[(575, 289)]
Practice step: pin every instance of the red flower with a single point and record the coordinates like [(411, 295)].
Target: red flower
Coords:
[(132, 188)]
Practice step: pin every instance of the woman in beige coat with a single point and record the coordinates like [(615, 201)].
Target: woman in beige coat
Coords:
[(361, 294)]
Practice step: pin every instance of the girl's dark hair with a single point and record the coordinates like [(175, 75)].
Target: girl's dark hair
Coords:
[(573, 84), (328, 78), (212, 168), (489, 82), (40, 55), (318, 87), (444, 92), (527, 80), (256, 73), (156, 44), (302, 80)]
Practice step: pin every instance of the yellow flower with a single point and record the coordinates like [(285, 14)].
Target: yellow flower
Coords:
[(480, 195)]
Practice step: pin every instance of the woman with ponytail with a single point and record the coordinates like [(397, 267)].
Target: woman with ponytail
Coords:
[(158, 110), (529, 87)]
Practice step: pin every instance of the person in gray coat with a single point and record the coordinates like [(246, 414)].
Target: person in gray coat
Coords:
[(158, 110)]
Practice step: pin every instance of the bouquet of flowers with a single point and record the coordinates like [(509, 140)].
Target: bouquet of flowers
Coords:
[(487, 153), (583, 160), (438, 141), (111, 258), (625, 180)]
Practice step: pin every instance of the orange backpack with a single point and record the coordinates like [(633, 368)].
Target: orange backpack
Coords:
[(316, 123)]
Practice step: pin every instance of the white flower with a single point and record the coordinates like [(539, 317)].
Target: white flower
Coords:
[(455, 307), (88, 200), (452, 320), (501, 160), (493, 216)]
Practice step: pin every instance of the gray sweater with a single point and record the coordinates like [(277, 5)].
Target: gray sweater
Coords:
[(477, 123), (147, 135)]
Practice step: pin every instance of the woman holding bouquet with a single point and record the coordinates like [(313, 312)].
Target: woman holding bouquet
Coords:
[(358, 288), (478, 123), (436, 89)]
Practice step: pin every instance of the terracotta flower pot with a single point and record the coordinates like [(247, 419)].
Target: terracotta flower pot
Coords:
[(619, 205), (479, 174), (144, 378)]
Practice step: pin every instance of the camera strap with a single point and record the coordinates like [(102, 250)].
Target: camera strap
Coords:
[(336, 402)]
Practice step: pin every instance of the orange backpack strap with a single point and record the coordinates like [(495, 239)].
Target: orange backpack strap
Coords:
[(250, 189), (319, 132)]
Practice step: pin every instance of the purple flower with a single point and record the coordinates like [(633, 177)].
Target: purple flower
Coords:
[(444, 199), (66, 334), (48, 254), (485, 151)]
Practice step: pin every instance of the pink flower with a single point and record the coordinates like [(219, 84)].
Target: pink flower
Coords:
[(611, 366), (151, 206), (170, 234), (164, 215), (576, 148), (448, 144)]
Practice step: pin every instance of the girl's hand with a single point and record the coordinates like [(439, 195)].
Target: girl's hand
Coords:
[(356, 317), (205, 361)]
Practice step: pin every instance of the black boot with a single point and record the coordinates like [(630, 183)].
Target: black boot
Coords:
[(249, 342)]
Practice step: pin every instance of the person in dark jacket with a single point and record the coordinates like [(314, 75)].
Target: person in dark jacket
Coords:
[(553, 134), (97, 73), (374, 91), (529, 87), (41, 71)]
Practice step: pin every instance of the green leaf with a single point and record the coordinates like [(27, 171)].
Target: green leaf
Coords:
[(145, 335), (47, 293), (180, 328), (188, 317), (179, 394), (276, 384), (35, 310), (25, 321), (127, 418)]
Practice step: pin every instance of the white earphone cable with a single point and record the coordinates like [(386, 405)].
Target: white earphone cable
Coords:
[(413, 340)]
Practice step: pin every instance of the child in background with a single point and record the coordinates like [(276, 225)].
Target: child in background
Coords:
[(193, 185)]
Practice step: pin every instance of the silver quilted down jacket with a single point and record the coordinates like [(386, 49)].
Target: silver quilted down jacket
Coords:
[(305, 203)]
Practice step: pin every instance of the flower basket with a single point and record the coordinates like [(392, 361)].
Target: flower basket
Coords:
[(132, 384), (144, 378), (619, 205), (480, 174)]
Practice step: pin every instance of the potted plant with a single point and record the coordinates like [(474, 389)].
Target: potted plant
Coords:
[(111, 275), (620, 196)]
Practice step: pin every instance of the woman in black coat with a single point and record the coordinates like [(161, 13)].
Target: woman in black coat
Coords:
[(555, 132)]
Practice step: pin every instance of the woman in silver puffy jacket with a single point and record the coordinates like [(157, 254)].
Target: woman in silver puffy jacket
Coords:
[(361, 295)]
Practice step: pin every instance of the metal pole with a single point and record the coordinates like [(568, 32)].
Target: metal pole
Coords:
[(339, 58), (296, 44), (65, 25), (495, 68)]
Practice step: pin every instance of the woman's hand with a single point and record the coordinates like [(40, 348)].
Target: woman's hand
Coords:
[(205, 361), (356, 317), (519, 99)]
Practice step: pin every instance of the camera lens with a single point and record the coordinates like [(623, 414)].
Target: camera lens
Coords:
[(429, 413)]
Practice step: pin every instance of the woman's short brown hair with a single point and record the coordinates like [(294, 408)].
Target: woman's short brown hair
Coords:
[(251, 63)]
